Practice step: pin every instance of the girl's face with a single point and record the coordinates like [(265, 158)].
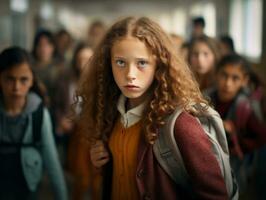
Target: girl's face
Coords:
[(202, 58), (63, 42), (133, 67), (83, 57), (45, 50), (16, 82), (230, 80)]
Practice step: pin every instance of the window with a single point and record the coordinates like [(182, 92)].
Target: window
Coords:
[(246, 27)]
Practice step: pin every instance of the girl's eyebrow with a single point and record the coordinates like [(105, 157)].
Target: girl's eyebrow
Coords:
[(137, 58), (142, 58), (121, 57)]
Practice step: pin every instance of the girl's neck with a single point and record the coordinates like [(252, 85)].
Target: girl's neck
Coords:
[(14, 107), (133, 103), (203, 76)]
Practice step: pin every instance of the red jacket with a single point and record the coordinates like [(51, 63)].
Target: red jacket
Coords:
[(201, 164), (247, 132)]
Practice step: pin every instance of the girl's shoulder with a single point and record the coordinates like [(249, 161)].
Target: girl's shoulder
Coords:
[(33, 103), (188, 124), (185, 126)]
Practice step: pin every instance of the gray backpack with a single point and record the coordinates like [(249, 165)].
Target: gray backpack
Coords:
[(169, 157)]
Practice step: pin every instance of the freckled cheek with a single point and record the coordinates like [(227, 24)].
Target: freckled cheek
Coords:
[(119, 78)]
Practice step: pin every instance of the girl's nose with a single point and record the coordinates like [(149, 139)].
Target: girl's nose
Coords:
[(201, 58), (16, 85), (228, 82), (131, 72)]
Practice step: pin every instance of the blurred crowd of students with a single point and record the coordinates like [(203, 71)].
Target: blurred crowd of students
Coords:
[(226, 78), (237, 92)]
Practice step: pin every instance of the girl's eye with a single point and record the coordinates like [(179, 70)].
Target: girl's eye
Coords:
[(120, 63), (24, 80), (236, 78), (142, 63), (223, 75)]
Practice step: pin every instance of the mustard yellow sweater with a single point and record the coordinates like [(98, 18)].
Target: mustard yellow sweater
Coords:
[(124, 144)]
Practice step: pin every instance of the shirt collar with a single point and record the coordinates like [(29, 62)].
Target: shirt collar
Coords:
[(132, 116)]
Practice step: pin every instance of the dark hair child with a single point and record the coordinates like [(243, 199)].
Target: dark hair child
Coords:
[(26, 141)]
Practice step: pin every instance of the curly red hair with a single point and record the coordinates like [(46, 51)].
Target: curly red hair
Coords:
[(174, 84)]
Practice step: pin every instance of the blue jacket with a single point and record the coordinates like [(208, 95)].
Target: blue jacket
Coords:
[(34, 161)]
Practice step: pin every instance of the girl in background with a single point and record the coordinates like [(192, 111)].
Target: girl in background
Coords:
[(22, 158), (246, 132), (75, 151), (45, 66), (203, 58), (135, 82), (226, 45), (66, 85)]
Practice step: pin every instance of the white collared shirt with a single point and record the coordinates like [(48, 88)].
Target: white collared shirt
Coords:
[(132, 116)]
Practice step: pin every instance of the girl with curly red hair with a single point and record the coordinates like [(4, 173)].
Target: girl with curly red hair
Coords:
[(135, 81)]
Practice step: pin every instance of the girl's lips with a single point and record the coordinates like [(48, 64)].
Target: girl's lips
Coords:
[(131, 86)]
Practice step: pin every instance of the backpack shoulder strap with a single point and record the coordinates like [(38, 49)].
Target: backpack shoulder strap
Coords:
[(168, 154), (214, 129), (37, 119), (170, 159)]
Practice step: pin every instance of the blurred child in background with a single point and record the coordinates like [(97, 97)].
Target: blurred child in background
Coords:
[(226, 45), (63, 44), (246, 132), (203, 58), (66, 86), (45, 65), (257, 96), (96, 31), (26, 139), (198, 26), (74, 150)]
